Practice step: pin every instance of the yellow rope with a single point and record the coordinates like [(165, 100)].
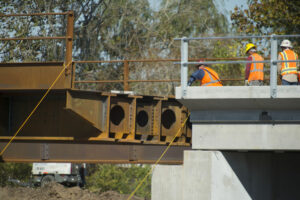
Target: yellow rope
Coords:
[(149, 172), (20, 128)]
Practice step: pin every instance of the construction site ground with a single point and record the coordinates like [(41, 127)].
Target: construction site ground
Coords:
[(57, 191)]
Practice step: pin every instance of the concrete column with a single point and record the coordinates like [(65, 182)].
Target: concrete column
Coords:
[(167, 182)]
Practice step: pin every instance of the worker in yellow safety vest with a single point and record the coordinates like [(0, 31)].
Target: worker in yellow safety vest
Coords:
[(287, 70), (254, 72), (206, 75)]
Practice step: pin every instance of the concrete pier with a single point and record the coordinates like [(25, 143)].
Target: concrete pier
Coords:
[(245, 146)]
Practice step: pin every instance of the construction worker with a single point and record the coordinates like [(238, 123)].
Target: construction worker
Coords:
[(206, 75), (287, 70), (254, 72), (82, 173)]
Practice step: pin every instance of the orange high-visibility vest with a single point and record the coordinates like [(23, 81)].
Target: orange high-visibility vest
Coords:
[(298, 76), (210, 78), (256, 69), (288, 67)]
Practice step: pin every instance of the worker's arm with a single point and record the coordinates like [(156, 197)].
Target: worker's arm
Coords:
[(279, 64), (298, 63), (197, 75), (247, 70)]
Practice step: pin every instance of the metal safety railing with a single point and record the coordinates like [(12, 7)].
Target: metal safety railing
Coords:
[(126, 71), (184, 61), (68, 37), (273, 59)]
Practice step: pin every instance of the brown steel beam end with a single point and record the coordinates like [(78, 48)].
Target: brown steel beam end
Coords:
[(36, 151)]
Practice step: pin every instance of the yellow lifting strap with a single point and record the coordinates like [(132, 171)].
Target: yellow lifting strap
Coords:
[(158, 160)]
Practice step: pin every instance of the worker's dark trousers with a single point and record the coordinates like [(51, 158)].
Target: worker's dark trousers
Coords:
[(284, 82)]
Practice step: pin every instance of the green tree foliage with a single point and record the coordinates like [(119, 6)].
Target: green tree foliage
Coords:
[(123, 34), (177, 19), (20, 171), (268, 16), (227, 72), (119, 178), (185, 18)]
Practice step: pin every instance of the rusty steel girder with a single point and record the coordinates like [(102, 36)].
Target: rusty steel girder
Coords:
[(92, 152), (85, 126), (75, 115), (130, 118), (83, 118), (32, 76)]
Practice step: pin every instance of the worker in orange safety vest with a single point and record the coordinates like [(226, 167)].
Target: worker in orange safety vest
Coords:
[(287, 70), (254, 72), (206, 76)]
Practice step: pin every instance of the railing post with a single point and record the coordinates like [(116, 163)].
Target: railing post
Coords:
[(69, 40), (184, 66), (69, 43), (126, 75), (273, 66), (73, 75)]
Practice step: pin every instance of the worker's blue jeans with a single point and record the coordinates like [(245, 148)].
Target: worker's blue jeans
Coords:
[(284, 82)]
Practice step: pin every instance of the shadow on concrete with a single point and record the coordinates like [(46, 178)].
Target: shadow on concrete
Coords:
[(267, 175)]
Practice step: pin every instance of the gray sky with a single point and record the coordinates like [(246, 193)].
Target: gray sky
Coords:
[(224, 6), (227, 6)]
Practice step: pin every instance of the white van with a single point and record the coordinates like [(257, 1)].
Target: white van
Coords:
[(65, 173)]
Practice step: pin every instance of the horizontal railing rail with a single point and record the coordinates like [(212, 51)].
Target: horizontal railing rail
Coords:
[(36, 38), (237, 37), (238, 62), (126, 70), (32, 14)]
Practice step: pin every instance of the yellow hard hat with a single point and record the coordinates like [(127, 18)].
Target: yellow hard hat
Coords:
[(249, 46)]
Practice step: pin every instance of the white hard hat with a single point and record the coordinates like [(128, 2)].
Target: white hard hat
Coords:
[(286, 43)]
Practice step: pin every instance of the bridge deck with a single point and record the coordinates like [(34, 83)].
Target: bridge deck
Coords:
[(243, 118)]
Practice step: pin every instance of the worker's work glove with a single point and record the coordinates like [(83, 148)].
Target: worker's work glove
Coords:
[(246, 82), (192, 79)]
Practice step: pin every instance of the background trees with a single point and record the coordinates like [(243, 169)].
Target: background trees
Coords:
[(113, 29), (131, 29), (267, 17), (21, 171)]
